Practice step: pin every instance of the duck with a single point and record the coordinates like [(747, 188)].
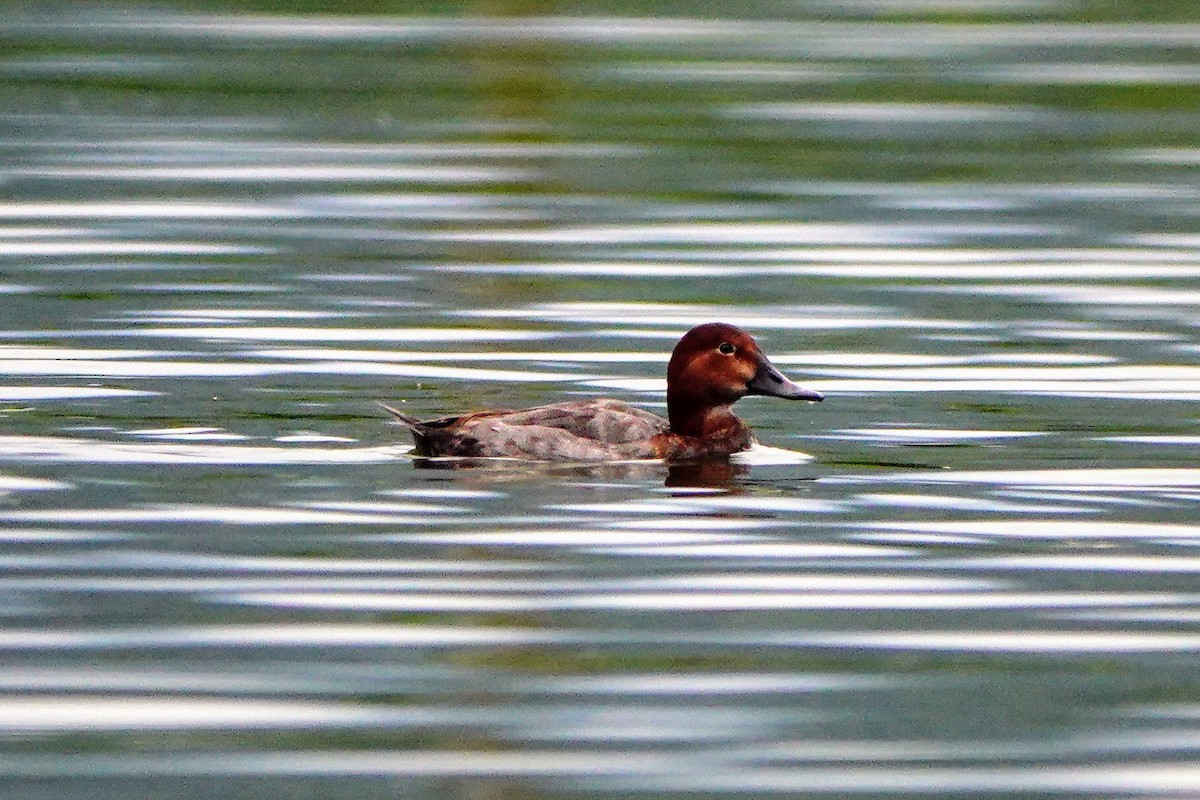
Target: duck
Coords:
[(712, 367)]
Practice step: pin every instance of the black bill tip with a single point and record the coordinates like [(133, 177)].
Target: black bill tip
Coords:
[(771, 382)]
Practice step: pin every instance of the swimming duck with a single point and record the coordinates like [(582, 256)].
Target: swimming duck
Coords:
[(713, 366)]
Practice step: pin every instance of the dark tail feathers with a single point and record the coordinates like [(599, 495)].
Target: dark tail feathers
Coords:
[(412, 423)]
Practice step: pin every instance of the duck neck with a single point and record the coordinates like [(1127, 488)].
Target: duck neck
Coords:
[(699, 419)]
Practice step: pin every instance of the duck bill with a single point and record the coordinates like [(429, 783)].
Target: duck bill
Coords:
[(771, 382)]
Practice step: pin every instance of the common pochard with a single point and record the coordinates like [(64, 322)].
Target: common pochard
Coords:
[(713, 366)]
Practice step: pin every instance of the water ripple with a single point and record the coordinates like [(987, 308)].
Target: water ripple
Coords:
[(89, 451)]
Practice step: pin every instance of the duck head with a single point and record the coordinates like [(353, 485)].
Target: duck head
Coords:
[(713, 366)]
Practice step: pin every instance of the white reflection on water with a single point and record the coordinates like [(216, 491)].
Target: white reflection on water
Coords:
[(1083, 294), (65, 393), (922, 435), (1045, 642), (142, 210), (863, 264), (1179, 389), (547, 762), (451, 493), (684, 315), (750, 232), (285, 173), (120, 561), (298, 334), (258, 151), (74, 712), (333, 634), (760, 550), (125, 65), (292, 210), (348, 679), (299, 680), (690, 537), (1085, 562), (969, 194), (903, 769), (1132, 374), (590, 538), (192, 315), (1089, 333), (1077, 480), (757, 504), (1086, 74), (1092, 777), (285, 635), (650, 602), (44, 352), (310, 437), (708, 73), (109, 247), (188, 434), (828, 39), (857, 8), (19, 483), (396, 513), (910, 113), (1182, 440), (760, 455), (1173, 156), (31, 536), (675, 684), (957, 503), (113, 368), (543, 356), (655, 723), (1052, 529), (91, 451)]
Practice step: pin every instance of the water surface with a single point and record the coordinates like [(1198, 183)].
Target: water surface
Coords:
[(970, 573)]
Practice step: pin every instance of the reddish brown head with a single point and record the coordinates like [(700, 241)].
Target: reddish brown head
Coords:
[(713, 366)]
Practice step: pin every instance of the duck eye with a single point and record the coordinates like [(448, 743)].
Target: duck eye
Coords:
[(726, 349)]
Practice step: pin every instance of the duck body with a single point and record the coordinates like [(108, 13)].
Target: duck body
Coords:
[(711, 367)]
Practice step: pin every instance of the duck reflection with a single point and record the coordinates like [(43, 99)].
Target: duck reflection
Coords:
[(713, 473)]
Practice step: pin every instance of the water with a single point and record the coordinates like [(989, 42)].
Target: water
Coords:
[(970, 573)]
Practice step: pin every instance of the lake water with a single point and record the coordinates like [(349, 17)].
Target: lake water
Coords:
[(224, 235)]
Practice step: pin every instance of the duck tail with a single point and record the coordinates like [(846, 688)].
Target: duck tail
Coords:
[(412, 423)]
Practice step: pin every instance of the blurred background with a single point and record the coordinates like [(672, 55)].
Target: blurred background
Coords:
[(226, 229)]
